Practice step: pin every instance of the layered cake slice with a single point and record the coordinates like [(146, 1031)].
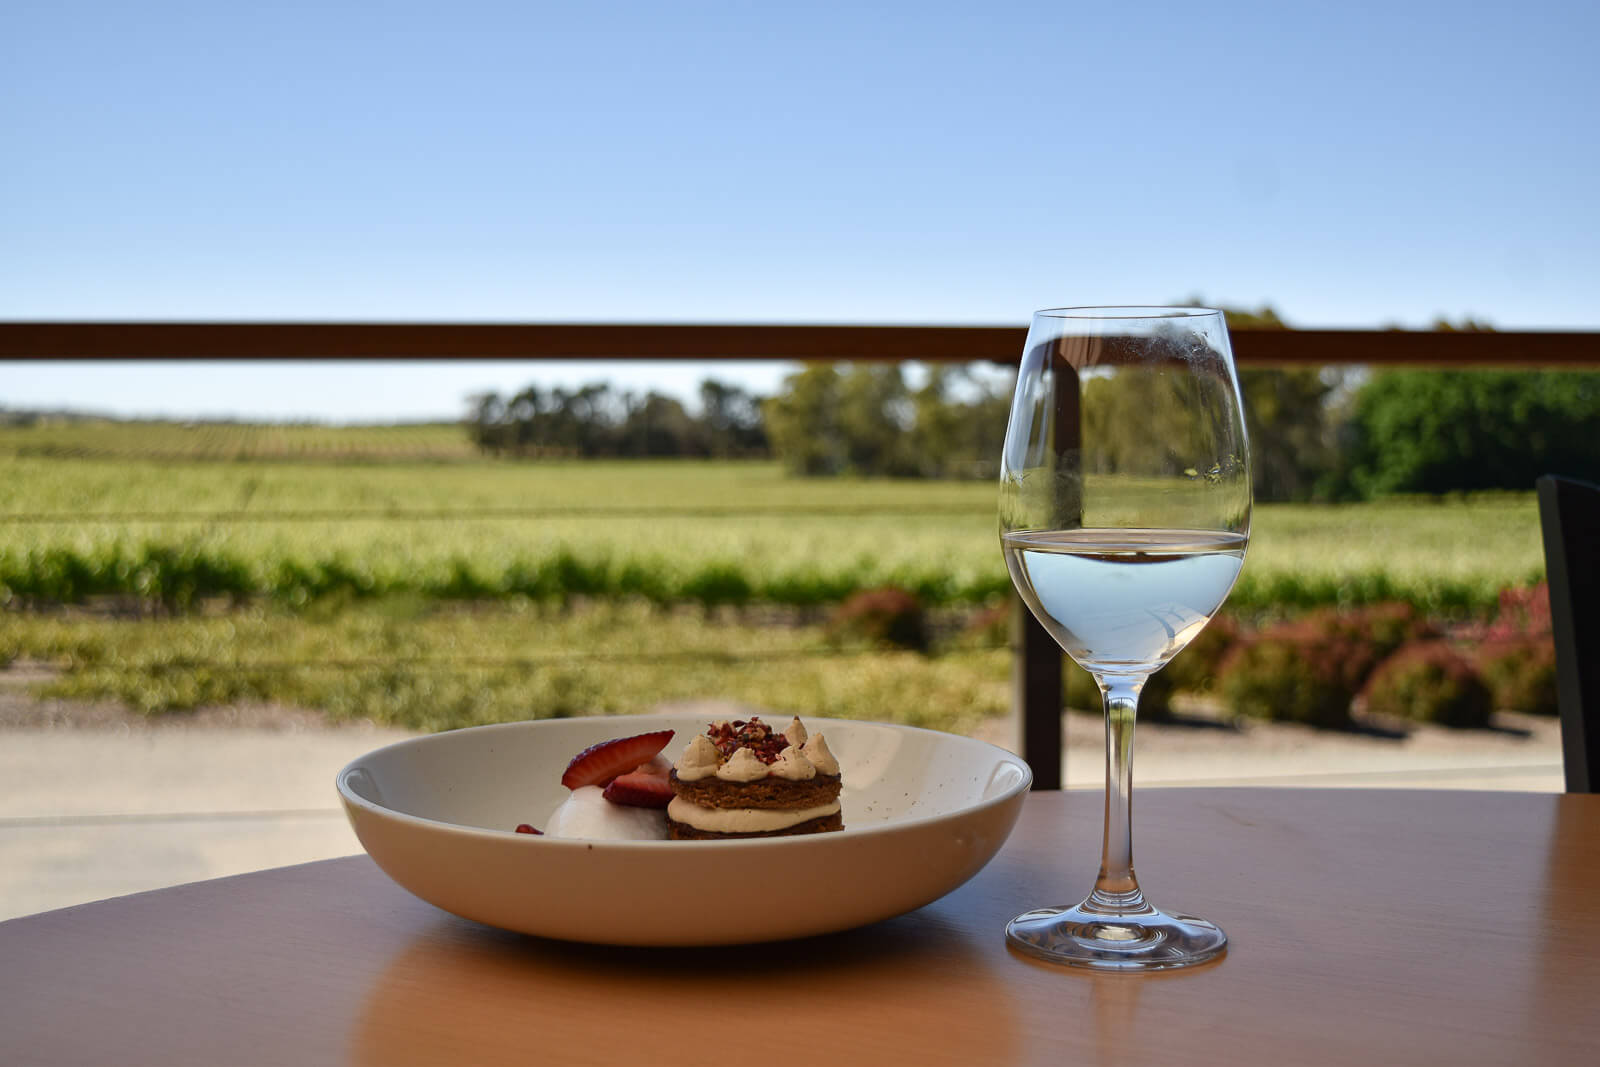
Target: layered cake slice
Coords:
[(743, 779)]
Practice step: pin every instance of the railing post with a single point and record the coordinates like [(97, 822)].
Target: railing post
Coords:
[(1569, 517), (1036, 695), (1035, 655)]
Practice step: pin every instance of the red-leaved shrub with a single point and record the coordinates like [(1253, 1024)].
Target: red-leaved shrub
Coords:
[(1523, 612), (1310, 669), (1521, 672), (1428, 681), (1297, 672), (1384, 627), (886, 617)]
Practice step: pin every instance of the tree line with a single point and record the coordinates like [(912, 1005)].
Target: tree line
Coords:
[(595, 421), (1316, 434)]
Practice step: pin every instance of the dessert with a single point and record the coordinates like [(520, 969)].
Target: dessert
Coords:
[(620, 791), (738, 779), (743, 779)]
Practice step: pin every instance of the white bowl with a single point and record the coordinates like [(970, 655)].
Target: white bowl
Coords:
[(923, 812)]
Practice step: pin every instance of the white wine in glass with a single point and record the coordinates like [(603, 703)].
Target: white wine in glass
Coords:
[(1124, 517)]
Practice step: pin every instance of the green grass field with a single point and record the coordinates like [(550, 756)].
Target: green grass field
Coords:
[(349, 565), (417, 665), (118, 439), (684, 530)]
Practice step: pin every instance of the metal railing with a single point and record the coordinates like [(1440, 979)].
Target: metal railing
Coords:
[(1037, 659)]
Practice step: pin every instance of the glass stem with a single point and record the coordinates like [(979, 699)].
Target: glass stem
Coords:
[(1116, 890)]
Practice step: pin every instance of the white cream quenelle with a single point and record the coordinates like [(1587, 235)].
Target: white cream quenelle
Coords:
[(587, 813)]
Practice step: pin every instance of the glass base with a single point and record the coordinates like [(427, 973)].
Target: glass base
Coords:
[(1091, 936)]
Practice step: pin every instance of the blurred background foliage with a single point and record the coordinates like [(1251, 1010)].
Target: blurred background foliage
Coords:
[(832, 545), (1316, 433)]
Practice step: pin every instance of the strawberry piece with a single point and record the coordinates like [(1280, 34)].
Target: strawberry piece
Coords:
[(599, 764), (647, 787), (524, 828)]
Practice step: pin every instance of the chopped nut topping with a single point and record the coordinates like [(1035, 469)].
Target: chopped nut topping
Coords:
[(753, 734)]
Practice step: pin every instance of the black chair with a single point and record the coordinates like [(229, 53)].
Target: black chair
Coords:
[(1569, 515)]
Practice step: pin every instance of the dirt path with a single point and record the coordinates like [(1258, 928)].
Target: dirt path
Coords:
[(1518, 751)]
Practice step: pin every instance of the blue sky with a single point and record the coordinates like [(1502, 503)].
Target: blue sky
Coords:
[(1351, 164)]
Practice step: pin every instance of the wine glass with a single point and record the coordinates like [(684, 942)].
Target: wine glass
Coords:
[(1124, 515)]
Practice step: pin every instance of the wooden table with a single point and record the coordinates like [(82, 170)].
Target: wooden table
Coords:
[(1383, 927)]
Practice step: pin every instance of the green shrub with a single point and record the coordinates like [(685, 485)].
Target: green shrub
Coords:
[(1434, 431), (299, 584), (1155, 699), (811, 587), (1428, 681), (886, 617), (1383, 627), (570, 576), (1080, 691), (991, 627), (525, 578), (646, 581), (1199, 666), (1309, 670), (717, 583), (191, 573), (1288, 589), (1520, 673), (1305, 671), (1394, 624), (462, 582)]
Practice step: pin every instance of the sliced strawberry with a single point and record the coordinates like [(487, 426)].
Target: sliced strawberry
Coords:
[(599, 764), (524, 828), (647, 787)]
